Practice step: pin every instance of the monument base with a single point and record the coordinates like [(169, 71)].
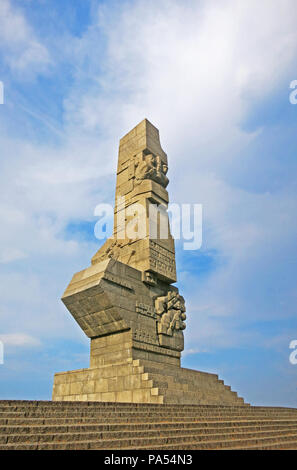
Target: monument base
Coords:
[(120, 371)]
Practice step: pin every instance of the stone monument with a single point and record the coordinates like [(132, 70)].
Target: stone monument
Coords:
[(126, 303)]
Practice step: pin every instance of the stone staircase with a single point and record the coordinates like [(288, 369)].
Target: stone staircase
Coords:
[(46, 425), (143, 381), (186, 386)]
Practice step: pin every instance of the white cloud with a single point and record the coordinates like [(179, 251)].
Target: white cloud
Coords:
[(202, 61), (23, 52), (11, 254), (189, 352), (19, 340)]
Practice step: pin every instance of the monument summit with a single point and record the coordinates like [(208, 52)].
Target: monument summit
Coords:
[(126, 303)]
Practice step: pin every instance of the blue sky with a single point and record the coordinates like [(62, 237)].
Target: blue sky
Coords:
[(214, 78)]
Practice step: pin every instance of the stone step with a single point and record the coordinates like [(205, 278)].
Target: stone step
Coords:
[(177, 395), (173, 410), (174, 384), (215, 442), (80, 421), (114, 406), (99, 425), (181, 442), (116, 438), (145, 414), (186, 375), (174, 376), (200, 428), (98, 414), (110, 406), (268, 443)]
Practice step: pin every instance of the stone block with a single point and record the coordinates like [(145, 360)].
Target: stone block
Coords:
[(101, 385), (108, 396)]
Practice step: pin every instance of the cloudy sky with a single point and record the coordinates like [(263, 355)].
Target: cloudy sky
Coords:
[(214, 76)]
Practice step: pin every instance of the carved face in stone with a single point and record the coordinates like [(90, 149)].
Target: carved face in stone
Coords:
[(164, 168), (150, 160), (178, 305)]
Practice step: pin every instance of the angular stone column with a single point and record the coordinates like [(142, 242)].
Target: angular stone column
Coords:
[(125, 301), (141, 181)]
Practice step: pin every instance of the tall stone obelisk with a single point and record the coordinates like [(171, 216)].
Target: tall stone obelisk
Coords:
[(125, 301)]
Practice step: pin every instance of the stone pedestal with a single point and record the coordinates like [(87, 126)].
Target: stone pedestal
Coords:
[(121, 371)]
